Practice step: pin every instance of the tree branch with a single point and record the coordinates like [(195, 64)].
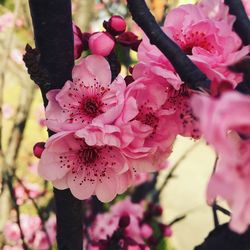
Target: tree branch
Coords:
[(242, 23), (187, 70), (52, 23)]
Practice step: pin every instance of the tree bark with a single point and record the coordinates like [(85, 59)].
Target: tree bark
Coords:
[(52, 22)]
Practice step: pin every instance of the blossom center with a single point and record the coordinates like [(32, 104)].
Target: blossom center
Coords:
[(194, 39), (90, 107), (89, 155)]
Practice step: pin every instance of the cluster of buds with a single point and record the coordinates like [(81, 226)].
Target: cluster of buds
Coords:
[(103, 43)]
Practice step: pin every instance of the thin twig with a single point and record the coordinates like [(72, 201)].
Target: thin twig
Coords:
[(222, 209), (9, 180), (214, 210), (38, 211)]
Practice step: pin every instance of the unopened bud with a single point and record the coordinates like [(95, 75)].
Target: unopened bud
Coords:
[(38, 149)]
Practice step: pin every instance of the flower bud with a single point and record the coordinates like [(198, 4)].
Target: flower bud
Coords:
[(146, 231), (157, 210), (38, 149), (85, 40), (129, 39), (115, 26), (78, 46), (167, 231), (128, 80), (124, 221), (101, 43)]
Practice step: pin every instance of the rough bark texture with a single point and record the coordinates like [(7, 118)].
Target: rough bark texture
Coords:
[(188, 72), (52, 22)]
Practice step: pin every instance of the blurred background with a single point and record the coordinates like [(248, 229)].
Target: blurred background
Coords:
[(22, 125)]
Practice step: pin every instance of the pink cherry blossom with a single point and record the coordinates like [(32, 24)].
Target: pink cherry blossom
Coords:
[(147, 133), (225, 123), (90, 97), (25, 190), (210, 43), (105, 224), (69, 161), (6, 247), (217, 10), (101, 43), (203, 36), (12, 232)]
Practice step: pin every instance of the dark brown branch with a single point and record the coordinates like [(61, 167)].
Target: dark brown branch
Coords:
[(242, 23), (52, 23), (188, 71)]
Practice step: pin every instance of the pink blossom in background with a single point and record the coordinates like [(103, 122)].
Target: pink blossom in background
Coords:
[(12, 248), (105, 224), (69, 161), (6, 20), (17, 56), (40, 116), (26, 190), (217, 10), (7, 111), (90, 98), (12, 232), (225, 123), (34, 236)]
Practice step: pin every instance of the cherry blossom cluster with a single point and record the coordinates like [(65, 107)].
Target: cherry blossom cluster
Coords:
[(36, 235), (129, 225), (108, 131)]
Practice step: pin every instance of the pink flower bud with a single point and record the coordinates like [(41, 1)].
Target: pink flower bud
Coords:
[(101, 43), (167, 231), (78, 46), (146, 231), (38, 149), (115, 26)]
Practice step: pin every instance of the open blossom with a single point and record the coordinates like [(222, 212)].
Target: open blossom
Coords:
[(86, 169), (209, 42), (89, 97), (106, 224), (225, 123), (146, 134), (34, 235)]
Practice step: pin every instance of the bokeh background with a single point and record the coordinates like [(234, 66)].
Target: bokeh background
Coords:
[(22, 125)]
